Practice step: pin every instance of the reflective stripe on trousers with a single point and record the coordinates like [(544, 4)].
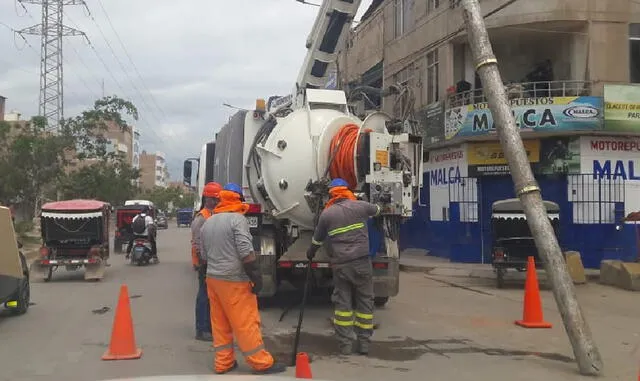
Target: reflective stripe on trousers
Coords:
[(343, 318), (364, 321), (234, 310)]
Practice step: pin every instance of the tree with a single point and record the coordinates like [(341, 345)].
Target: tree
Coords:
[(31, 160), (110, 181), (162, 197), (109, 177)]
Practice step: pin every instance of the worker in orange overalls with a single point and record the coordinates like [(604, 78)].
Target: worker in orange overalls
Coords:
[(233, 283), (210, 196)]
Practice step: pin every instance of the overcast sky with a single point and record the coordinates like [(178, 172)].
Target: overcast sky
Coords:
[(192, 56)]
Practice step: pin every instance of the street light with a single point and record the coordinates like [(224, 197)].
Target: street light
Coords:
[(307, 3), (234, 107)]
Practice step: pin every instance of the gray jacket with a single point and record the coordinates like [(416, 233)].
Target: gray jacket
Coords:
[(344, 226)]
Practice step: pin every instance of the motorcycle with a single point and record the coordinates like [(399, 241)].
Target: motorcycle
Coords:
[(141, 252)]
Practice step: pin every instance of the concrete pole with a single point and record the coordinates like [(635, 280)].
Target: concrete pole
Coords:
[(526, 187)]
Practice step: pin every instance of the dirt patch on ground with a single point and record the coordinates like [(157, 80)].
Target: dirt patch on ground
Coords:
[(396, 349)]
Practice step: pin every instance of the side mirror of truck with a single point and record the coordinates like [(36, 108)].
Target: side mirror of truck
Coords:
[(187, 172)]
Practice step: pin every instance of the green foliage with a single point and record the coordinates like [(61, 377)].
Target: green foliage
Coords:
[(32, 159), (162, 197), (24, 231), (111, 181)]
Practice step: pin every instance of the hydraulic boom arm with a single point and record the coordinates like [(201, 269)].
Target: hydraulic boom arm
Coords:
[(329, 30)]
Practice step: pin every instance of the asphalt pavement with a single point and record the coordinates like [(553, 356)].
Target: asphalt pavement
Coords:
[(436, 329)]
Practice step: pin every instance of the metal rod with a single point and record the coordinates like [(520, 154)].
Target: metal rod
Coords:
[(584, 348), (296, 340)]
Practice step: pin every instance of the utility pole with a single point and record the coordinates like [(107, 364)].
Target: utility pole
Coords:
[(527, 189), (52, 30)]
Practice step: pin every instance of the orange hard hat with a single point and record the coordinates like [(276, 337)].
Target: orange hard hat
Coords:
[(212, 190)]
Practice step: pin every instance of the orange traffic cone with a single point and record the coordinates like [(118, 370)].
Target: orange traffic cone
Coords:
[(123, 341), (532, 315), (303, 369)]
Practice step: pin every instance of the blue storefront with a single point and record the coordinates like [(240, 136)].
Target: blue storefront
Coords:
[(594, 178)]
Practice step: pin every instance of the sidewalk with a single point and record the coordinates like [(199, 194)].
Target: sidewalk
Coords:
[(417, 260)]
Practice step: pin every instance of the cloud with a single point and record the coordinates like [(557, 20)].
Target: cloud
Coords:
[(192, 56)]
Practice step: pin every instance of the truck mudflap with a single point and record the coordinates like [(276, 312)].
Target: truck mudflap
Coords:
[(386, 277)]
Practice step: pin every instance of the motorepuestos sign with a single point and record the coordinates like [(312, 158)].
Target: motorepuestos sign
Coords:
[(552, 114)]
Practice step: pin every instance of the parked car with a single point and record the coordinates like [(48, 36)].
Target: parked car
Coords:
[(161, 221), (15, 289)]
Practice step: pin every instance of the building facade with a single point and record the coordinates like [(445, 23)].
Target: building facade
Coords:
[(153, 170), (570, 69)]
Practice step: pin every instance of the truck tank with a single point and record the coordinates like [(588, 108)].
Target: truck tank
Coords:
[(297, 151)]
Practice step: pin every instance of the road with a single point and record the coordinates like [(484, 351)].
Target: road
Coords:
[(449, 329)]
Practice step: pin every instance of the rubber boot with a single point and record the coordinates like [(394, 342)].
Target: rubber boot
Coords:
[(363, 347), (275, 368), (204, 336)]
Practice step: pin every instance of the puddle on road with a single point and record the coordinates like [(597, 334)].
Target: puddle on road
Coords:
[(396, 349)]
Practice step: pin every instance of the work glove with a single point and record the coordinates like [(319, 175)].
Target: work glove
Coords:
[(311, 253), (252, 269), (256, 288)]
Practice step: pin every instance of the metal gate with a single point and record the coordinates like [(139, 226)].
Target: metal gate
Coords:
[(596, 200), (465, 194)]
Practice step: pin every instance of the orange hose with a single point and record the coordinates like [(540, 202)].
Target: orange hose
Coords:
[(343, 164)]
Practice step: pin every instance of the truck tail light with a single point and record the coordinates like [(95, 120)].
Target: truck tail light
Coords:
[(499, 254), (381, 265), (44, 252), (255, 209)]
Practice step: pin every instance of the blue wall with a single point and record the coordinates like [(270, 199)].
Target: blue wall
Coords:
[(463, 241)]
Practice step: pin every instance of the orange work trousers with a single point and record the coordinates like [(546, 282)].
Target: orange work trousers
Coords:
[(234, 311)]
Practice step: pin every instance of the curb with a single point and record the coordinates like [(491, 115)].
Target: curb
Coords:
[(416, 269)]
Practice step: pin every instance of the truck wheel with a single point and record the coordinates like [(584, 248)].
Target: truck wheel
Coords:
[(380, 301)]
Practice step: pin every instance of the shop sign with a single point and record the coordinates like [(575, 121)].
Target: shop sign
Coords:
[(612, 158), (547, 156), (490, 153), (622, 108), (615, 169), (444, 167), (554, 114), (487, 158)]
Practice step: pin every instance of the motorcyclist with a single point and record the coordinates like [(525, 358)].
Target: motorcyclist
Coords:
[(148, 233)]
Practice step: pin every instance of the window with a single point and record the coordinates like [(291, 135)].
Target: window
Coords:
[(634, 53), (432, 77), (432, 5), (403, 76), (403, 19)]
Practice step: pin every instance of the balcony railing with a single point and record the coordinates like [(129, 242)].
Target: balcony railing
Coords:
[(524, 90)]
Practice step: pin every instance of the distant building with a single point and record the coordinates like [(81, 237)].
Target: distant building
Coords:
[(121, 141), (180, 185), (2, 103), (153, 170)]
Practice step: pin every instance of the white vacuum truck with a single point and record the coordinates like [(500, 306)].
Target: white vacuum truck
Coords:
[(285, 153)]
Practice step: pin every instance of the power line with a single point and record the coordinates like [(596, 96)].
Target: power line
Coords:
[(113, 52), (130, 59)]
